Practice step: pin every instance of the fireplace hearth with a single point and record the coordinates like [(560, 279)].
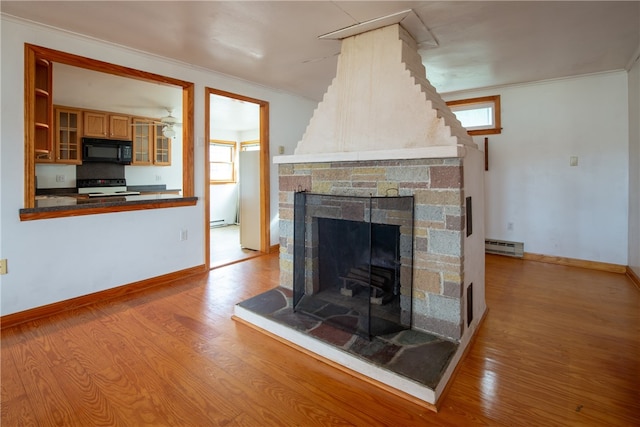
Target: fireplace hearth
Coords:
[(416, 357), (353, 259)]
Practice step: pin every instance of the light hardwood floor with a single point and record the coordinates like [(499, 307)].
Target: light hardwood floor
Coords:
[(560, 346)]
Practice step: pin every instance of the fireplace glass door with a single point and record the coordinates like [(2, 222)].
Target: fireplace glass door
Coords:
[(353, 260)]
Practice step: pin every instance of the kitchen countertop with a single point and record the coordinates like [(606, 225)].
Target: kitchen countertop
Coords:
[(60, 202)]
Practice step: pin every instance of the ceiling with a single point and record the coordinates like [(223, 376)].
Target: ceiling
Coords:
[(93, 90), (479, 44)]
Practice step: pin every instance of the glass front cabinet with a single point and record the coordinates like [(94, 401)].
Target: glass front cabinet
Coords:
[(161, 147), (68, 136), (142, 141)]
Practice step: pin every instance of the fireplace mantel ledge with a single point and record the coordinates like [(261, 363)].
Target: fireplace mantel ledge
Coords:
[(438, 152)]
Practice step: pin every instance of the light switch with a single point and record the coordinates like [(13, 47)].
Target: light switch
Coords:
[(573, 161)]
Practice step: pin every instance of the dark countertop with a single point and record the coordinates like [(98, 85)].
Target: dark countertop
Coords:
[(73, 191), (58, 200)]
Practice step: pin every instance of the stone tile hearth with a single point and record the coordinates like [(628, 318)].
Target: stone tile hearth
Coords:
[(413, 354)]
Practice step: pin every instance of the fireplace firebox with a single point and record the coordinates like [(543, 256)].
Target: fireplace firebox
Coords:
[(353, 261)]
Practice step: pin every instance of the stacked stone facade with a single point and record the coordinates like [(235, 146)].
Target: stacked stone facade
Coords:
[(439, 222)]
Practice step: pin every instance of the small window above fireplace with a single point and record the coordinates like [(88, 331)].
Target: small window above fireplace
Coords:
[(480, 116)]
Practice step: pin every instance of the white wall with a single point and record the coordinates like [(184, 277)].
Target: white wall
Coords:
[(634, 168), (57, 259), (577, 212), (224, 203), (249, 135), (296, 122)]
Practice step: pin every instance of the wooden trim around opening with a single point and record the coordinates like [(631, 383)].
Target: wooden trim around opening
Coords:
[(56, 56), (59, 307), (265, 192), (593, 265)]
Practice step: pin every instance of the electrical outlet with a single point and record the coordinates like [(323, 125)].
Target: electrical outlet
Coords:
[(3, 266), (573, 161), (158, 178), (510, 226), (183, 234), (59, 178)]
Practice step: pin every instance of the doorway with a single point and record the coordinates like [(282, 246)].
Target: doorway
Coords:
[(237, 178)]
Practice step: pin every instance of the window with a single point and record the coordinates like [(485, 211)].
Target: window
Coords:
[(222, 160), (480, 116), (250, 145)]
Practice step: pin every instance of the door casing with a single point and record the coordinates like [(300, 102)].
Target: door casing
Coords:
[(265, 208)]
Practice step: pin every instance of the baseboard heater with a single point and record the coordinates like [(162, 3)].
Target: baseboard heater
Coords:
[(503, 247), (217, 223)]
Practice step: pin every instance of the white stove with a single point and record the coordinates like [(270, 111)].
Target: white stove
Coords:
[(104, 187)]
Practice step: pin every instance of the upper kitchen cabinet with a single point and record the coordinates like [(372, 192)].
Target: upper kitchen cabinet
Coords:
[(150, 146), (161, 147), (68, 131), (103, 125), (142, 141), (41, 83)]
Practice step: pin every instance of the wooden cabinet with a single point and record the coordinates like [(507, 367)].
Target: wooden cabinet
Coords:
[(142, 142), (150, 146), (68, 131), (95, 124), (105, 125), (43, 110), (119, 127), (161, 147)]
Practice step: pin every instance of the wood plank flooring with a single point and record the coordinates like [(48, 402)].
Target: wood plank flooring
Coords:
[(560, 346)]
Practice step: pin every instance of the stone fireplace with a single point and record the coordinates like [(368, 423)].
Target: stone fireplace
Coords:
[(382, 134)]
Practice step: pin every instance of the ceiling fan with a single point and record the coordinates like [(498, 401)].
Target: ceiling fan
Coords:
[(168, 122)]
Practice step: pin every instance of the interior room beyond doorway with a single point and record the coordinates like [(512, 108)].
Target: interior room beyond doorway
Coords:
[(235, 178), (226, 248)]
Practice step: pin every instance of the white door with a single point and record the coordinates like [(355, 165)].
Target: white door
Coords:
[(249, 178)]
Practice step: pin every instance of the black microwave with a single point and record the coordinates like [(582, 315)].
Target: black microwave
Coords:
[(107, 150)]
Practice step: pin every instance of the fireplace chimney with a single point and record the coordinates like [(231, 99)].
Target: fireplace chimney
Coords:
[(380, 99)]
